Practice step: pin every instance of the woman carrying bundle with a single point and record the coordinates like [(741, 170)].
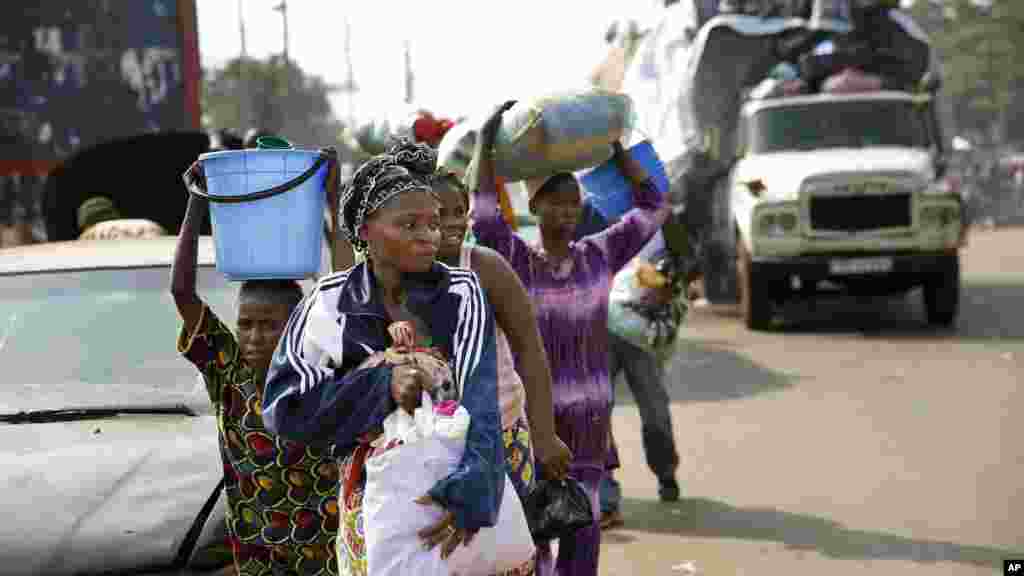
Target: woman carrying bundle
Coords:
[(524, 389), (317, 393), (569, 284)]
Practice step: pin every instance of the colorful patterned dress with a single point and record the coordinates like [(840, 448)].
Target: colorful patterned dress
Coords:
[(282, 506), (571, 302)]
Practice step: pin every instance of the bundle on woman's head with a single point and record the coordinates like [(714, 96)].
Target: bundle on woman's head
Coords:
[(405, 167)]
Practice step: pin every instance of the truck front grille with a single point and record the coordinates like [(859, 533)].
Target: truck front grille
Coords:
[(860, 213)]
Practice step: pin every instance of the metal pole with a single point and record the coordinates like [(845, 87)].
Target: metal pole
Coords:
[(284, 14), (350, 84), (241, 28), (283, 9), (409, 80), (243, 79)]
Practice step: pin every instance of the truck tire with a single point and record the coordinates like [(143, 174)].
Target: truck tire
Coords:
[(942, 293), (755, 304)]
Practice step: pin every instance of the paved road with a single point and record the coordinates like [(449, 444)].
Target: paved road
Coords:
[(855, 441)]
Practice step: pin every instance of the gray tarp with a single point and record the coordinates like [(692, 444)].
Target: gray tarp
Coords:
[(689, 88)]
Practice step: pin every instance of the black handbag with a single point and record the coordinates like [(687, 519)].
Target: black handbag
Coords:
[(556, 509)]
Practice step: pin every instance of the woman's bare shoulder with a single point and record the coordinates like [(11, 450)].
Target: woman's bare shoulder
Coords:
[(483, 260), (494, 271)]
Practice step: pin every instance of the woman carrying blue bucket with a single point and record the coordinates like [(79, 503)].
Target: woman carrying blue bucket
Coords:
[(317, 393)]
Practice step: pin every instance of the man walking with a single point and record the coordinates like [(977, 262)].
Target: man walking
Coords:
[(645, 377)]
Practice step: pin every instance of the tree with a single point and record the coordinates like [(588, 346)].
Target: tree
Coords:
[(981, 45), (272, 95)]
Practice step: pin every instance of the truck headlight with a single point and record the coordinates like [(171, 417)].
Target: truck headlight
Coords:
[(939, 216), (776, 224)]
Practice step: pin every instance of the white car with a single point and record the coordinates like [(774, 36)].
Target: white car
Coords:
[(109, 457), (842, 191)]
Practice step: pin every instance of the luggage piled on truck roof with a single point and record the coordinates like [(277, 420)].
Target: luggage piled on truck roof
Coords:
[(753, 53), (881, 50), (746, 49)]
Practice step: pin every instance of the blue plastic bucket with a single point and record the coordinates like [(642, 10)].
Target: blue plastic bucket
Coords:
[(267, 219), (608, 190)]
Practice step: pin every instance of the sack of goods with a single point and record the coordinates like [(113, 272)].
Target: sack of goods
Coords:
[(123, 228), (563, 132), (645, 307), (775, 88), (851, 81), (455, 154), (455, 151), (413, 454)]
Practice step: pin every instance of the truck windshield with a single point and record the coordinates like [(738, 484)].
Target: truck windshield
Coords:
[(831, 124)]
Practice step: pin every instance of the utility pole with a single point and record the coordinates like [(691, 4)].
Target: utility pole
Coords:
[(283, 9), (243, 96), (409, 79), (241, 29), (349, 87)]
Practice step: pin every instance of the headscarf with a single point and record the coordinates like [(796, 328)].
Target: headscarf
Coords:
[(405, 167)]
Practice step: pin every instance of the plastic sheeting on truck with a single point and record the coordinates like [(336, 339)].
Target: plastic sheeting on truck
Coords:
[(688, 86)]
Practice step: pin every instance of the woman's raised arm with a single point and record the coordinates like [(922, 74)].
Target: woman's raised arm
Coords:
[(623, 240), (489, 226), (183, 271)]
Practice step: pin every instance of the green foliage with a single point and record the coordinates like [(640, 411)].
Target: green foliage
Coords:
[(271, 95), (981, 45)]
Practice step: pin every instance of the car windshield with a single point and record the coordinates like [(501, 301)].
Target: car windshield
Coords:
[(98, 337), (832, 124)]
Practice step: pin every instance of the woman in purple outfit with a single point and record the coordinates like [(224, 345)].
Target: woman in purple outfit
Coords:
[(569, 283)]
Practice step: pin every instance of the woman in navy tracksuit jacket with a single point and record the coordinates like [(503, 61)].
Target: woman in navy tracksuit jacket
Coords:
[(316, 394)]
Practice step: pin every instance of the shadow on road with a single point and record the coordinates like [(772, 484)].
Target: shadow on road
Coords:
[(988, 311), (704, 371), (703, 518)]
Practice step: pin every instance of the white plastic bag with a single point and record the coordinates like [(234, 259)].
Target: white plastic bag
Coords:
[(433, 447), (455, 152), (636, 314)]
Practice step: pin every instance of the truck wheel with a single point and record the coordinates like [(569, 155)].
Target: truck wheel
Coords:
[(754, 302), (942, 293)]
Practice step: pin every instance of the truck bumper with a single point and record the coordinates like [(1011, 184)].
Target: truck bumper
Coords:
[(879, 272)]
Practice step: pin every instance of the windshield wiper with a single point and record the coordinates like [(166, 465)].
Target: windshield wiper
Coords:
[(73, 414)]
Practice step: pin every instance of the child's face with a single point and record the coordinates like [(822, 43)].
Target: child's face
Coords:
[(260, 326), (443, 391)]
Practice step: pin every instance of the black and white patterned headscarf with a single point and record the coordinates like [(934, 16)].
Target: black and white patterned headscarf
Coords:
[(405, 167)]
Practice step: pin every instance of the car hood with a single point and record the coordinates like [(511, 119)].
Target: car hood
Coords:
[(103, 495), (783, 172)]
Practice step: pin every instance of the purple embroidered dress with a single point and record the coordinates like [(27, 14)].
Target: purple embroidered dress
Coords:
[(571, 302)]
